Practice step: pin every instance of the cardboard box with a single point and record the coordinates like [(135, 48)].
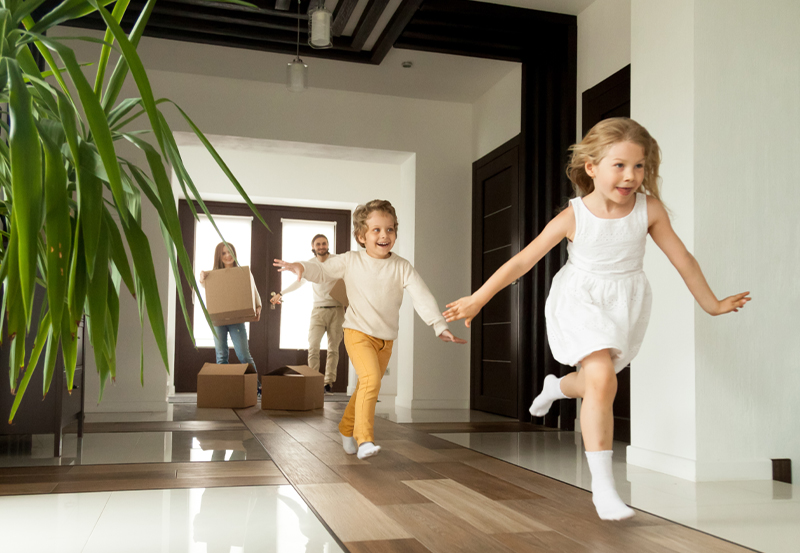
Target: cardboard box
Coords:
[(229, 386), (339, 293), (293, 388), (231, 296)]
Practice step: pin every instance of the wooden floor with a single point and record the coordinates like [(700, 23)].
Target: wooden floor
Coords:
[(422, 493)]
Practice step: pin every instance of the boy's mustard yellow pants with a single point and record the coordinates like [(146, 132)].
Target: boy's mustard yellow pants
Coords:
[(370, 358)]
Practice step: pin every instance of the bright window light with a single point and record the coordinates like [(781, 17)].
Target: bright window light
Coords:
[(296, 307), (237, 231)]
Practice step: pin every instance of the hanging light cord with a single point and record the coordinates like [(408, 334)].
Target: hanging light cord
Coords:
[(298, 29)]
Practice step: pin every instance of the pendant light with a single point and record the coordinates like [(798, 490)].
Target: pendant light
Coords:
[(297, 71), (319, 26)]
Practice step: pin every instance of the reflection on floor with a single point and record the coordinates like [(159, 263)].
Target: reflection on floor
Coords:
[(244, 519), (764, 515), (138, 447)]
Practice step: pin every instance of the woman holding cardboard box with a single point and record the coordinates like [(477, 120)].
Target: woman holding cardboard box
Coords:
[(238, 333)]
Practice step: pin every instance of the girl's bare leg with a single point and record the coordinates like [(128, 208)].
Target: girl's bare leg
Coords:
[(596, 383)]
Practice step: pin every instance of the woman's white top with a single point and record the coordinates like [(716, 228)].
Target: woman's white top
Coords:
[(375, 291), (601, 298)]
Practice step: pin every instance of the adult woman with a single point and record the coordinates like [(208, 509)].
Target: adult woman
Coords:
[(238, 333)]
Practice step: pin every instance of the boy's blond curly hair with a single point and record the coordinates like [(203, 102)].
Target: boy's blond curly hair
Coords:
[(362, 213)]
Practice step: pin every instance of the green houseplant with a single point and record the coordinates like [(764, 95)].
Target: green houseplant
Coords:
[(70, 202)]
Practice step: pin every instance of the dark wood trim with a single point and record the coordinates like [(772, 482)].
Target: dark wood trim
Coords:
[(606, 95), (392, 32), (367, 23), (341, 15)]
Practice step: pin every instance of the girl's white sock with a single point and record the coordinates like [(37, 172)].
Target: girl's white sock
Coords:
[(604, 495), (368, 449), (551, 391), (349, 444)]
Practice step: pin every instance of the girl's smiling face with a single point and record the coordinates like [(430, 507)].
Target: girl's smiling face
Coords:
[(227, 258), (380, 235), (620, 173)]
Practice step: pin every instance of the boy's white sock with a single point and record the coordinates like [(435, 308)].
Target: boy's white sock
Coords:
[(349, 444), (551, 391), (368, 449), (604, 495)]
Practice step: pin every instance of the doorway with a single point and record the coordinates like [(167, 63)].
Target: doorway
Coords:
[(264, 245)]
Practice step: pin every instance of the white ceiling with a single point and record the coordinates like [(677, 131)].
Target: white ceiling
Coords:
[(433, 76)]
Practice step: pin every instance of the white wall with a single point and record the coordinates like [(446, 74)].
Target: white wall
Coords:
[(747, 126), (497, 115), (717, 83), (437, 133), (604, 47)]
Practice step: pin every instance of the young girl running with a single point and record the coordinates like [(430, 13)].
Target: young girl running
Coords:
[(599, 303), (375, 279)]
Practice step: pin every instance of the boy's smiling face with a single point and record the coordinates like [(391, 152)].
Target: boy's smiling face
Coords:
[(380, 235)]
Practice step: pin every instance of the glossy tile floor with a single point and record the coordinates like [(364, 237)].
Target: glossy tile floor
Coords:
[(230, 520), (763, 515), (140, 447)]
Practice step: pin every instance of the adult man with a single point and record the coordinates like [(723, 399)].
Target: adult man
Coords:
[(327, 315)]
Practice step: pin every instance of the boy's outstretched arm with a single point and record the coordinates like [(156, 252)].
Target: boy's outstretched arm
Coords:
[(562, 226), (296, 268), (665, 238)]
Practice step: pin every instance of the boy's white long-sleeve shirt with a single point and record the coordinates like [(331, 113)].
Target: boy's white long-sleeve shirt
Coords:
[(320, 290), (375, 291)]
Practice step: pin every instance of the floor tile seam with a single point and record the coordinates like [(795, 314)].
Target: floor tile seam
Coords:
[(96, 522)]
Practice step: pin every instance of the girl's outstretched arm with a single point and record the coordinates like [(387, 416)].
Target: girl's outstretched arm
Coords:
[(562, 226), (665, 238)]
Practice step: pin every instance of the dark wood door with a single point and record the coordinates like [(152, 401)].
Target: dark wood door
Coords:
[(264, 337), (495, 240), (612, 98)]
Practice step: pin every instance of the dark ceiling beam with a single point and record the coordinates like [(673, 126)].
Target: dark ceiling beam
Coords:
[(342, 13), (169, 33), (492, 12), (263, 7), (405, 12), (222, 16), (367, 23), (461, 48)]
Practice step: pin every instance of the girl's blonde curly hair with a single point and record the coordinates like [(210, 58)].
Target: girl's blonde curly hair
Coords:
[(595, 145), (362, 213)]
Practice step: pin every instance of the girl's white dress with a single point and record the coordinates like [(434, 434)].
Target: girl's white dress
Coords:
[(601, 298)]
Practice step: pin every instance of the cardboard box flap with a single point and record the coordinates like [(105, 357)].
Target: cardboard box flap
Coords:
[(291, 370), (339, 293), (210, 369)]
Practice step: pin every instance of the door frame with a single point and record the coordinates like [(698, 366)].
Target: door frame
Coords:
[(188, 360)]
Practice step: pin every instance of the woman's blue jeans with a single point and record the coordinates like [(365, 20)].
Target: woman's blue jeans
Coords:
[(238, 334)]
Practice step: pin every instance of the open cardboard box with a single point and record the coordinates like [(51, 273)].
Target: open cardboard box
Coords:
[(339, 293), (293, 388), (231, 296), (229, 386)]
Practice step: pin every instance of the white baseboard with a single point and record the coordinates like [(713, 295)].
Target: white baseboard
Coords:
[(440, 404), (128, 407), (698, 471)]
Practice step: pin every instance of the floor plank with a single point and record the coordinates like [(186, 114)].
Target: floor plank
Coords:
[(387, 546), (360, 520), (413, 451), (441, 531), (485, 484), (460, 427), (541, 542), (298, 463), (382, 486), (488, 516)]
